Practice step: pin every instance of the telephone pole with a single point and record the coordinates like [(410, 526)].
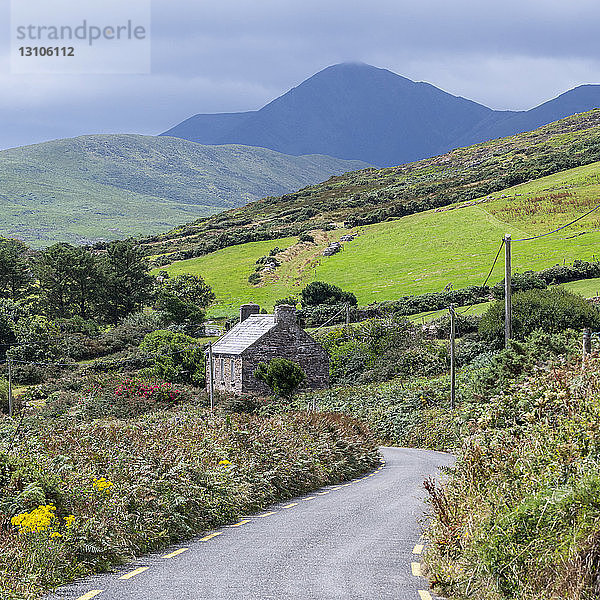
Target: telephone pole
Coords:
[(507, 291), (211, 377), (452, 358)]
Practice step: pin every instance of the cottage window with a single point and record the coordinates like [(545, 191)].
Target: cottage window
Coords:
[(232, 370)]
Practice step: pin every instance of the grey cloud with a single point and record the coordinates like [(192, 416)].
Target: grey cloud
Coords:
[(237, 55)]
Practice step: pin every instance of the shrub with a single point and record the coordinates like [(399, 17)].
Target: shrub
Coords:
[(254, 278), (127, 397), (319, 292), (281, 375), (551, 311), (177, 357)]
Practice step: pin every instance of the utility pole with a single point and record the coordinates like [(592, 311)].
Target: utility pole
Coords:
[(587, 345), (452, 358), (507, 291), (211, 377), (10, 396)]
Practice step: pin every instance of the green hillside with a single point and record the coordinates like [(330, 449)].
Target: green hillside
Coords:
[(422, 252), (374, 196), (105, 187)]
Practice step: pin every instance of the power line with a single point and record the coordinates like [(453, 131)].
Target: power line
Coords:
[(535, 237)]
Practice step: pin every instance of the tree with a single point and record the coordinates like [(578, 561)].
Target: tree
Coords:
[(15, 270), (319, 292), (126, 284), (191, 288), (181, 299), (69, 280), (178, 358), (281, 375)]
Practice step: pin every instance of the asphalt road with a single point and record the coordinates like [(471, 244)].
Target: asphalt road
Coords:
[(357, 541)]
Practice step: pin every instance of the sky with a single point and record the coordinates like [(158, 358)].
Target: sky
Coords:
[(235, 55)]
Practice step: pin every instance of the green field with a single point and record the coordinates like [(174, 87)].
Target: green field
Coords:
[(426, 251)]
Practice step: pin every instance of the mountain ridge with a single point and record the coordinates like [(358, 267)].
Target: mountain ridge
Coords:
[(100, 187), (357, 111)]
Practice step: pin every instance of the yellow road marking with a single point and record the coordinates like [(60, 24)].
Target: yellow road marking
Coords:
[(425, 595), (322, 493), (290, 505), (268, 514), (416, 569), (337, 487), (176, 553), (134, 573), (309, 498), (242, 522), (418, 549), (346, 485), (210, 536), (91, 594)]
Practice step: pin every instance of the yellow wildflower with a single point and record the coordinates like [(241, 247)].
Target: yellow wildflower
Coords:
[(102, 484), (69, 520), (41, 519), (224, 463)]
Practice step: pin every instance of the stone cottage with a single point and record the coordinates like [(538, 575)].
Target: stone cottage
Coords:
[(259, 338)]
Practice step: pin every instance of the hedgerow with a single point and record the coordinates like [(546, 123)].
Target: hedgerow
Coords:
[(518, 517)]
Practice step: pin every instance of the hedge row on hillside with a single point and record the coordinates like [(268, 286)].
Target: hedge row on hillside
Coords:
[(315, 316)]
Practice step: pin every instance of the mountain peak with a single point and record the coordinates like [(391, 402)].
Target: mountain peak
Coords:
[(353, 110)]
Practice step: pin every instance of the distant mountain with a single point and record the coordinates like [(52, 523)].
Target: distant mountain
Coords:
[(112, 186), (356, 111)]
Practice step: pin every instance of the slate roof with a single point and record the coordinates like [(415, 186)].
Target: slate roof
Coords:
[(244, 334)]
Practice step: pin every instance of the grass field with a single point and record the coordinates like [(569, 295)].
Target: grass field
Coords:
[(426, 251)]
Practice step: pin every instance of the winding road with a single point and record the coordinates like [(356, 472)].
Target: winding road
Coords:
[(356, 541)]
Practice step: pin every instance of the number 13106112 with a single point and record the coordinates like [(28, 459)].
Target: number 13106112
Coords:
[(55, 51)]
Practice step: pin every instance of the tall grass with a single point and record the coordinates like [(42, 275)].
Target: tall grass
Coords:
[(125, 487)]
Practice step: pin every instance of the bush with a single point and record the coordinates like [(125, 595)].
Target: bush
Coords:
[(319, 292), (551, 311), (254, 278), (178, 358), (127, 397), (281, 375)]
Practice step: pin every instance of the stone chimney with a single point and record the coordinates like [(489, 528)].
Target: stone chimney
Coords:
[(285, 315), (248, 309)]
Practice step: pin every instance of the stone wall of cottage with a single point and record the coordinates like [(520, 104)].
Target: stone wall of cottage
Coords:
[(289, 341), (223, 366)]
